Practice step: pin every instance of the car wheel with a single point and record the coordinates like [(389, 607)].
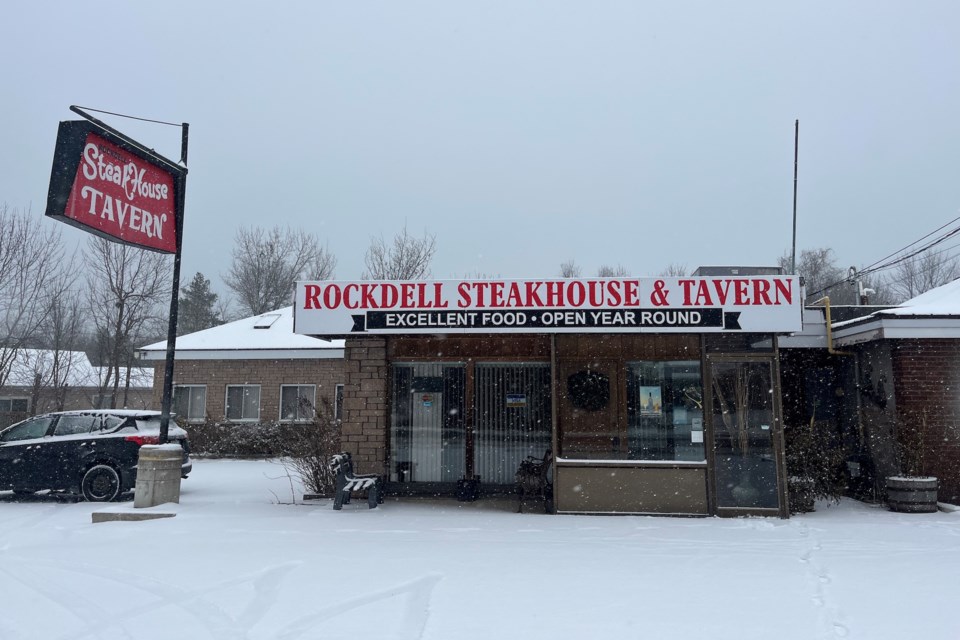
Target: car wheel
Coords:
[(100, 483)]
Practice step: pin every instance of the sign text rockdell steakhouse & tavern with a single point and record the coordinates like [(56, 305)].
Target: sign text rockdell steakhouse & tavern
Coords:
[(760, 304)]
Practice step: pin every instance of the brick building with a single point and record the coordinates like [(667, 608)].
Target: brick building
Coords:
[(907, 381), (251, 371), (43, 380)]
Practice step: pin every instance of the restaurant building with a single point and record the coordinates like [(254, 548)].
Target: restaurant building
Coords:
[(655, 395)]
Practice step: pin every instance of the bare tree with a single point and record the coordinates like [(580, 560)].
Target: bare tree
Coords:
[(267, 264), (569, 269), (922, 273), (31, 258), (406, 258), (127, 289), (606, 271), (674, 269), (58, 364), (822, 277)]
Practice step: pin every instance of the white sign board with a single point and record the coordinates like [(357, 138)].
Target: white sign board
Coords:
[(755, 304)]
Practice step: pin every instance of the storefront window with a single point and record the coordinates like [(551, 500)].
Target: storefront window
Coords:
[(512, 417), (665, 411), (427, 435)]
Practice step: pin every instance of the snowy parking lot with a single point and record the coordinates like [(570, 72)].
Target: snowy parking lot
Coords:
[(241, 560)]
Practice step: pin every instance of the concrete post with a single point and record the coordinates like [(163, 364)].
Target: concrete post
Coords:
[(158, 475)]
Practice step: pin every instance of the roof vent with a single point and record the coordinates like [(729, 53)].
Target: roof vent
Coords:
[(266, 321)]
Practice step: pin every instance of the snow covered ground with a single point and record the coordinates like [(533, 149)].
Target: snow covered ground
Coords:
[(239, 561)]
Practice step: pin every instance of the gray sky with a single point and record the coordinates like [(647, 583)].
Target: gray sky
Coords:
[(522, 134)]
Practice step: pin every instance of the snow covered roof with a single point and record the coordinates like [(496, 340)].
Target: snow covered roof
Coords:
[(933, 314), (73, 369), (266, 336)]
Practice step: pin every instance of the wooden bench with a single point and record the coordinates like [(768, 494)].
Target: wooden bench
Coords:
[(533, 480), (341, 465)]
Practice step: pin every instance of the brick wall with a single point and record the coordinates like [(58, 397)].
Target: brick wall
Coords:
[(269, 374), (927, 382), (365, 403)]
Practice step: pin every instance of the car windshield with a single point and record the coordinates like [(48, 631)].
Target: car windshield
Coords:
[(36, 428)]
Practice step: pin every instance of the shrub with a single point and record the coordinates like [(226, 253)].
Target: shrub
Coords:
[(814, 465)]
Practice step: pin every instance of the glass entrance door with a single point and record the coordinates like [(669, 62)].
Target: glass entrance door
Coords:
[(427, 436), (745, 420)]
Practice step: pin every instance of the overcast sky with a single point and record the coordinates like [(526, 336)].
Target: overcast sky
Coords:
[(521, 134)]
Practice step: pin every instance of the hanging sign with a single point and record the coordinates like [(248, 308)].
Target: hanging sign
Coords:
[(109, 185), (758, 304)]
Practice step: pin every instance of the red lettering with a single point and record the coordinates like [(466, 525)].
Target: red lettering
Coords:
[(596, 293), (496, 294), (515, 298), (348, 301), (407, 290), (554, 294), (613, 292), (438, 300), (389, 296), (784, 288), (463, 289), (631, 293), (741, 292), (533, 294), (722, 291), (331, 296), (576, 293), (312, 297), (703, 293), (760, 292), (481, 288), (686, 284)]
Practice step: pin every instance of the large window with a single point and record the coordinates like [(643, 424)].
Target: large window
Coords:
[(190, 402), (243, 402), (513, 419), (665, 411), (297, 402), (14, 405)]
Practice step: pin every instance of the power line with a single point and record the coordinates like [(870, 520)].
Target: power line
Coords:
[(886, 263)]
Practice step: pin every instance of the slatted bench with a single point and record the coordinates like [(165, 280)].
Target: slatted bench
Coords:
[(341, 465)]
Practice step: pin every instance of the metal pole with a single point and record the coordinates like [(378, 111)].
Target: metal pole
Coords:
[(796, 151), (167, 398)]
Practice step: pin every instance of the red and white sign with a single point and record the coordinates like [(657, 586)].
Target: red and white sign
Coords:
[(756, 304), (112, 191)]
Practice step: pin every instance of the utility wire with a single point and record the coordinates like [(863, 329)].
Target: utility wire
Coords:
[(881, 265), (123, 115)]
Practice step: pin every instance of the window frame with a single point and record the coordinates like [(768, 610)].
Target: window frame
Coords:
[(338, 390), (313, 403), (187, 418), (10, 400), (226, 403)]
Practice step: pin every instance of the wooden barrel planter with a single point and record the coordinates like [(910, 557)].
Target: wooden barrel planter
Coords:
[(911, 494)]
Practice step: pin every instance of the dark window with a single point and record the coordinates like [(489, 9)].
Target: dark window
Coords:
[(72, 425)]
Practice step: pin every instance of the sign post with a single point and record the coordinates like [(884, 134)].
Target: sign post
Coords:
[(117, 188)]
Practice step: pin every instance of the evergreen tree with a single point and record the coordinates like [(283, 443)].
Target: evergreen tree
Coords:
[(197, 309)]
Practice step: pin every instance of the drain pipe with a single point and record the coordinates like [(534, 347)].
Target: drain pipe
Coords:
[(826, 306)]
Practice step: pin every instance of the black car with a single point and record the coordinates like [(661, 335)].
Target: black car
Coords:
[(93, 453)]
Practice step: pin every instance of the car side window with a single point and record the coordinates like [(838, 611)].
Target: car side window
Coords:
[(111, 423), (72, 425), (29, 430)]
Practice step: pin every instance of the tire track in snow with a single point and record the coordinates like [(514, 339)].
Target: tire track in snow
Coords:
[(830, 617), (211, 616), (86, 610), (415, 614)]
